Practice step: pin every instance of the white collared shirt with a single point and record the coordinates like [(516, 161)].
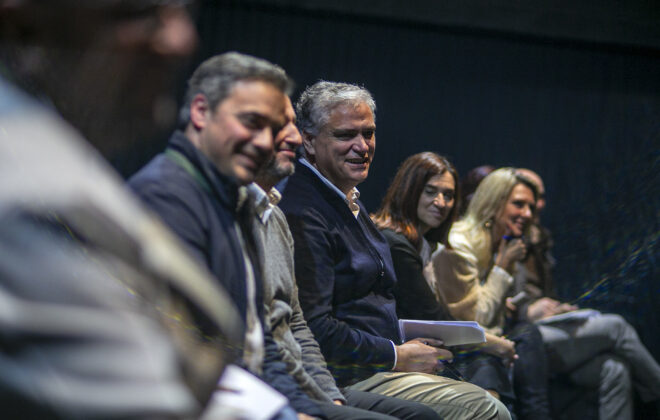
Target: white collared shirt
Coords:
[(350, 199)]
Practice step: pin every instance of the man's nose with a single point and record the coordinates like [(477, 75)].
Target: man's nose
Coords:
[(361, 144), (295, 138), (439, 200)]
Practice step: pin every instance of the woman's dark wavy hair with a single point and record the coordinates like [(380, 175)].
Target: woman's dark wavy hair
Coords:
[(398, 211)]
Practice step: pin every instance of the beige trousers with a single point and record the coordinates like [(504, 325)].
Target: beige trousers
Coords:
[(449, 398)]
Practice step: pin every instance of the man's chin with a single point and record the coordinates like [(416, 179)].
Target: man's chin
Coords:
[(361, 176), (282, 170)]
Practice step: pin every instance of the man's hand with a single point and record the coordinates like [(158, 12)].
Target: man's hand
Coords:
[(424, 355), (337, 402), (303, 416), (546, 307)]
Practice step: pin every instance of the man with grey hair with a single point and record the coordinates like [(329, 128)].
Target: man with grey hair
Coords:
[(90, 282), (299, 349), (344, 269), (234, 108)]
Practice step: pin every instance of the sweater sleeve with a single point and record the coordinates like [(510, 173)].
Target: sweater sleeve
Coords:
[(313, 360), (414, 297), (276, 375), (468, 298), (350, 352)]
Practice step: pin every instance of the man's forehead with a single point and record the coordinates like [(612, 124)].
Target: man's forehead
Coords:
[(257, 92), (534, 177), (349, 112)]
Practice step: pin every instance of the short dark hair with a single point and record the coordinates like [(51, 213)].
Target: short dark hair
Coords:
[(398, 211), (217, 76)]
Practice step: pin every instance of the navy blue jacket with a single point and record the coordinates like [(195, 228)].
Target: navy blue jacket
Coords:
[(203, 213), (345, 278)]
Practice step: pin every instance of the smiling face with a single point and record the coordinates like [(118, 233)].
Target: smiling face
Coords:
[(345, 146), (238, 135), (286, 143), (517, 212), (436, 201)]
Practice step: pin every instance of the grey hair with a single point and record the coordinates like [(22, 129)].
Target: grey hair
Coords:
[(317, 102), (217, 76)]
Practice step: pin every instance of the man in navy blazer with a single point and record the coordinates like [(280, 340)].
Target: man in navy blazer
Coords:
[(344, 269), (234, 107)]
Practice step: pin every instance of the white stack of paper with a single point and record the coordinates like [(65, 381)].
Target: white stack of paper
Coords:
[(452, 333), (242, 396)]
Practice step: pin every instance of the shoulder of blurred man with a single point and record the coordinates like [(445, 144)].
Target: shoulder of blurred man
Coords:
[(85, 264)]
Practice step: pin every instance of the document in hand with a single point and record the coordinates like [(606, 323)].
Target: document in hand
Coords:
[(573, 316), (452, 333)]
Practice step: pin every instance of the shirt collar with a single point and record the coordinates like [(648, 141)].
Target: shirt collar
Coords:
[(263, 203), (350, 199)]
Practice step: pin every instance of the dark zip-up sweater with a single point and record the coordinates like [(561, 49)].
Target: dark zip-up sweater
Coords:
[(345, 278)]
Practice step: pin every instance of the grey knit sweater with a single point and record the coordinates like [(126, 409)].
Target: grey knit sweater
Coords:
[(298, 348)]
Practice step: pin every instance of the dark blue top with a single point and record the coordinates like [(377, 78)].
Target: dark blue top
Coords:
[(203, 213), (345, 278)]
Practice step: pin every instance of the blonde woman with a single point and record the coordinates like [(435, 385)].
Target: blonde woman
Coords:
[(474, 273)]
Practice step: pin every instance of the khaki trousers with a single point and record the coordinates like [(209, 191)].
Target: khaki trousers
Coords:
[(449, 398)]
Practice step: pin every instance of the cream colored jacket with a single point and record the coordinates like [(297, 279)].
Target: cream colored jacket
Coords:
[(465, 277)]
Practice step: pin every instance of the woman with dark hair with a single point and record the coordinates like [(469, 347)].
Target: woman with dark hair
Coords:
[(415, 217)]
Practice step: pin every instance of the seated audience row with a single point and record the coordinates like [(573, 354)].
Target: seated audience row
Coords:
[(118, 318)]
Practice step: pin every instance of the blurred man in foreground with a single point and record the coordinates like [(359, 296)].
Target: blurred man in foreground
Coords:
[(103, 314)]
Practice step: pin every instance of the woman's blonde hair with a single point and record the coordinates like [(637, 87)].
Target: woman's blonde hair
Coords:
[(488, 201)]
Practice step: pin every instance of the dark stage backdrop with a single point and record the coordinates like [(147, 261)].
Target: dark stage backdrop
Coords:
[(582, 113)]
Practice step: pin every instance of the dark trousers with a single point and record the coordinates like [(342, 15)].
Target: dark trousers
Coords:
[(367, 405), (530, 372)]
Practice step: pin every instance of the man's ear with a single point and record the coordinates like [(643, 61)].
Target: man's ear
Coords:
[(308, 144), (200, 111)]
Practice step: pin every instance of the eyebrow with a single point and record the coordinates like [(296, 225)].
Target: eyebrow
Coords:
[(338, 131)]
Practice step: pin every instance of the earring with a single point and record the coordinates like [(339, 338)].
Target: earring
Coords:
[(488, 223)]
